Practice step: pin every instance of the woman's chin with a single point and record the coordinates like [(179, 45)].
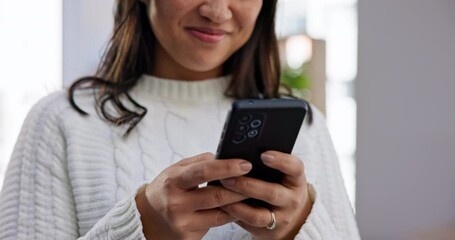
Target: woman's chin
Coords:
[(205, 70)]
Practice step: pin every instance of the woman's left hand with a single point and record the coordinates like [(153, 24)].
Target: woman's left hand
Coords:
[(290, 201)]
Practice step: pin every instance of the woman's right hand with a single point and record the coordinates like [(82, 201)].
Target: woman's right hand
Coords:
[(172, 206)]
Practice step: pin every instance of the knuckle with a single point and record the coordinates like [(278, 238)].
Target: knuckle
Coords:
[(243, 184), (167, 182), (222, 218), (219, 197), (228, 166), (204, 172), (300, 166), (285, 221), (199, 174), (294, 165), (173, 203), (272, 194), (256, 220), (184, 162), (182, 225), (295, 201)]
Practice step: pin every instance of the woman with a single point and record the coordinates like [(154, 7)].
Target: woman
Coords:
[(129, 163)]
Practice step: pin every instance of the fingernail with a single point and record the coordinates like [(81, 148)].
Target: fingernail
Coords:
[(245, 166), (267, 158), (228, 182)]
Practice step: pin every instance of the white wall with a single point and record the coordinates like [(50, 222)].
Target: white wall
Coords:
[(87, 26), (406, 117)]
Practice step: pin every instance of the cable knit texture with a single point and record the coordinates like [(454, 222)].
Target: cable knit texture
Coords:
[(75, 177)]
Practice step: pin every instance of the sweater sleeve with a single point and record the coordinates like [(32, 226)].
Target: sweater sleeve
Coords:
[(331, 216), (37, 200)]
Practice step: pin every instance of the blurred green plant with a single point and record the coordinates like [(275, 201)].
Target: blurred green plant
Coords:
[(297, 79)]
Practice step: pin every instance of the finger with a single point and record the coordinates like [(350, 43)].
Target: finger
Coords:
[(213, 197), (206, 171), (273, 193), (257, 231), (253, 216), (198, 158), (203, 220), (288, 164)]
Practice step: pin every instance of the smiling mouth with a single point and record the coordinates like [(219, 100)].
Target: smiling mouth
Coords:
[(207, 35)]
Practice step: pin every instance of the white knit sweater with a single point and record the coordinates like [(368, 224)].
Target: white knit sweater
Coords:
[(75, 177)]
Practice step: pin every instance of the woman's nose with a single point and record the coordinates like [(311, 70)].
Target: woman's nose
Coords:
[(217, 11)]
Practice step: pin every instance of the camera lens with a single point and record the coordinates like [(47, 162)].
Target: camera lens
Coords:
[(242, 128), (256, 123), (245, 119), (253, 133), (238, 139)]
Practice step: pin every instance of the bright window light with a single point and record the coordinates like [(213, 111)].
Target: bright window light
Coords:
[(31, 63), (335, 22)]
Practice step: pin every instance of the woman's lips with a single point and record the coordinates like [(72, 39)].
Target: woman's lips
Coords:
[(208, 35)]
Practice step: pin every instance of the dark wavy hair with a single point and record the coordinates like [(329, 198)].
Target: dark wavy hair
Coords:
[(255, 67)]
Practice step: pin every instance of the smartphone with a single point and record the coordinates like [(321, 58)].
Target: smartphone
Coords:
[(255, 126)]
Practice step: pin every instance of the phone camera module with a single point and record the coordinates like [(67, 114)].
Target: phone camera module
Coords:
[(238, 139), (253, 133), (256, 123)]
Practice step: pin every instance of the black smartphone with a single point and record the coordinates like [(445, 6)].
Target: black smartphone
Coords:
[(255, 126)]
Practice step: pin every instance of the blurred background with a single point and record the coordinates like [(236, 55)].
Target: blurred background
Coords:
[(380, 70)]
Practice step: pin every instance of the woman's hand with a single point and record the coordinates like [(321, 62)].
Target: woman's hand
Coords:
[(173, 207), (289, 200)]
